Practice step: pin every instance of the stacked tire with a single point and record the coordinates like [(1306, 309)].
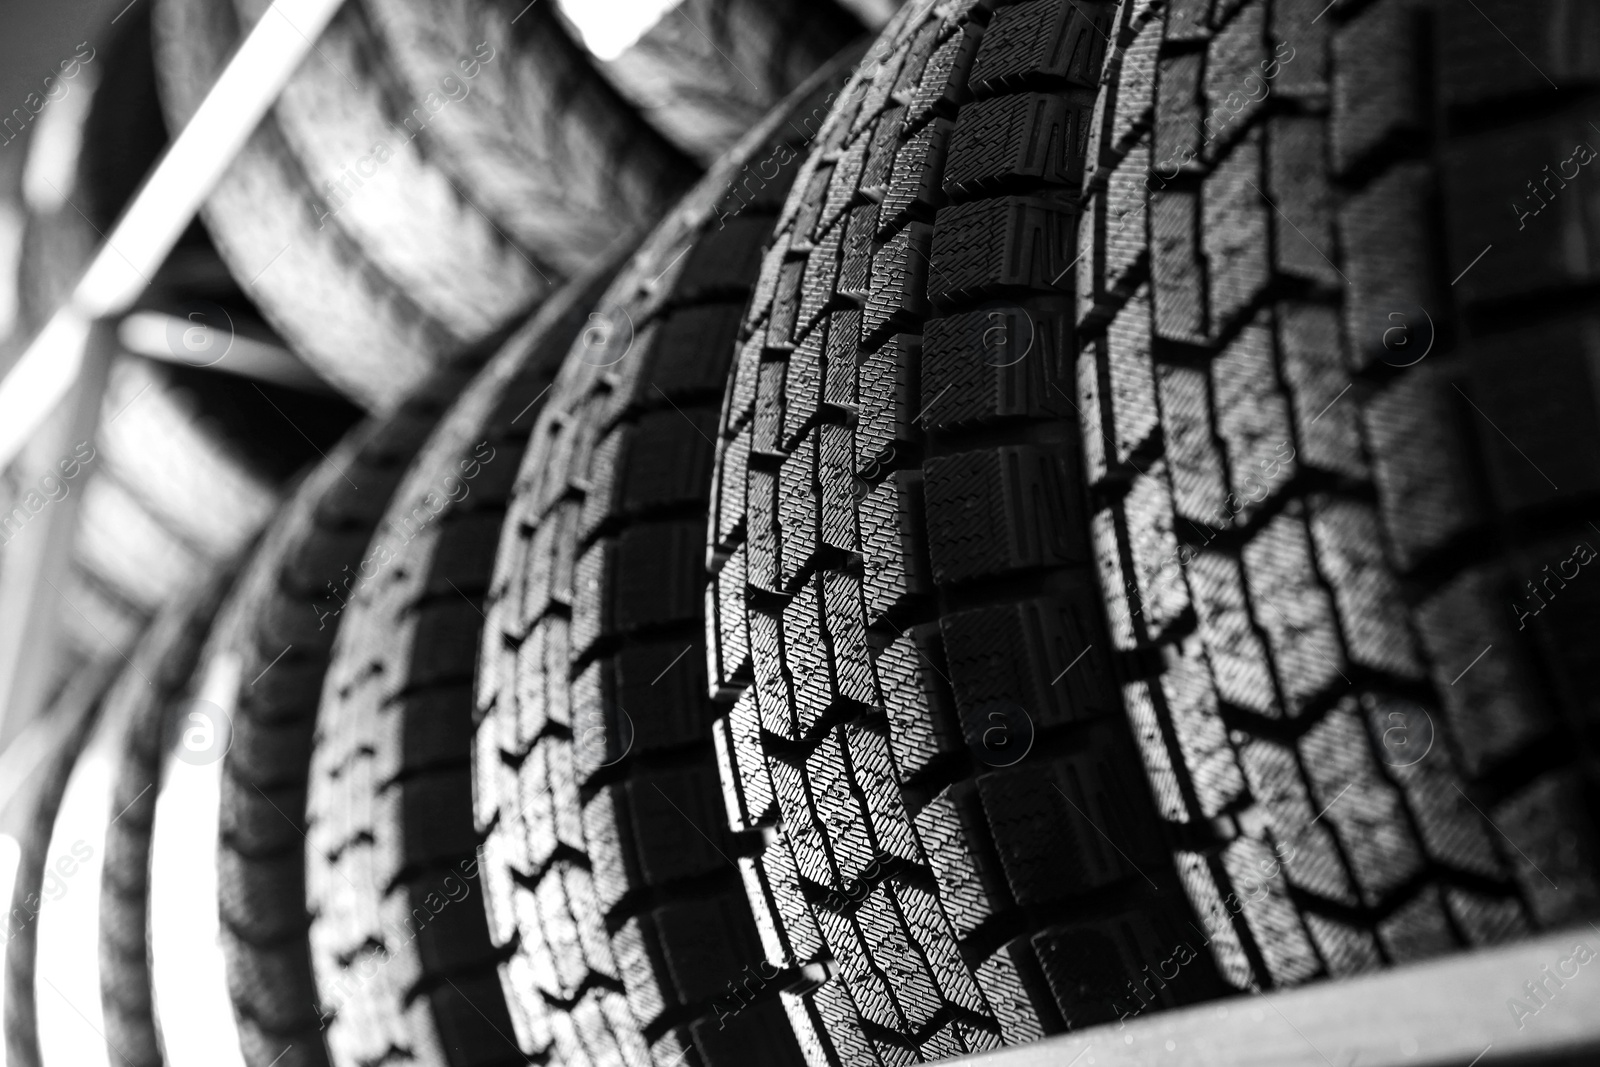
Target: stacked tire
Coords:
[(1019, 525)]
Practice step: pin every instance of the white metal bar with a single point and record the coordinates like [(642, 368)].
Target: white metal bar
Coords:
[(1455, 1010), (159, 212)]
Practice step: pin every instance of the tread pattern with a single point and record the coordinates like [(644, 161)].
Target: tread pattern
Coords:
[(605, 869), (900, 575), (1304, 528), (275, 623), (404, 965), (167, 656)]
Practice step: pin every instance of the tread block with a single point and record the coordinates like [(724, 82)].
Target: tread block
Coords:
[(548, 577), (728, 658), (1018, 655), (842, 186), (1177, 266), (679, 838), (785, 315), (760, 1026), (971, 891), (839, 486), (1293, 610), (881, 151), (921, 718), (943, 85), (1013, 985), (1297, 185), (1386, 257), (914, 189), (802, 388), (540, 687), (1375, 83), (989, 247), (1234, 232), (766, 429), (1162, 594), (1004, 510), (1234, 85), (657, 562), (728, 488), (756, 802), (433, 726), (1252, 419), (891, 526), (1047, 821), (667, 459), (1370, 819), (708, 946), (1178, 136), (843, 348), (805, 655), (1035, 138), (446, 641), (847, 637), (1008, 362), (887, 399), (854, 284), (1495, 708), (724, 260), (817, 283), (898, 295), (798, 518), (1041, 43)]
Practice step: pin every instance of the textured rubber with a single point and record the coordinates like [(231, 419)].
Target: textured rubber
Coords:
[(1324, 458), (936, 725), (708, 70), (605, 867), (277, 622), (404, 114), (405, 969), (905, 604), (140, 704), (77, 705)]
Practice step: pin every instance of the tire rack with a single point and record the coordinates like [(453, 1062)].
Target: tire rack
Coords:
[(1458, 1009)]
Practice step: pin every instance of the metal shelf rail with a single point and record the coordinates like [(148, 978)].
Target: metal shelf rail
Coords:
[(1459, 1010)]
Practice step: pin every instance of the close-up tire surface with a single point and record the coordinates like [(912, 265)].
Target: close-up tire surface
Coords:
[(905, 601), (931, 689), (399, 944), (275, 623), (1301, 393), (606, 864)]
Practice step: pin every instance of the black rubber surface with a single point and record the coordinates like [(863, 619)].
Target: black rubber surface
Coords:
[(1338, 461), (277, 622), (607, 866), (931, 689), (906, 603), (405, 969)]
